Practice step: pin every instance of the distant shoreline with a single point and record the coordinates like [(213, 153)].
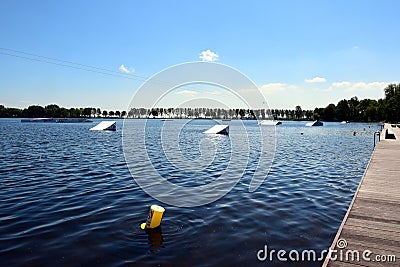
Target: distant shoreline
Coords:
[(352, 110), (172, 119)]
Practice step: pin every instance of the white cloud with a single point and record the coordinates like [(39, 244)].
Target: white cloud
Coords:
[(272, 88), (214, 92), (362, 86), (208, 55), (357, 86), (341, 84), (187, 93), (315, 80), (125, 70)]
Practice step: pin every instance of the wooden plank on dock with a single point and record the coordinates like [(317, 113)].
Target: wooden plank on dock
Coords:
[(372, 221)]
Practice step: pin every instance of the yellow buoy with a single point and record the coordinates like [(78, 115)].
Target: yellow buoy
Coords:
[(154, 217)]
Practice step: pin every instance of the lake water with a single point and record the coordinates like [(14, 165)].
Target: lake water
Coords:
[(68, 198)]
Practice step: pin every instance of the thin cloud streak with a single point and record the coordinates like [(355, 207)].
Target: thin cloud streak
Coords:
[(125, 70), (316, 80), (187, 93)]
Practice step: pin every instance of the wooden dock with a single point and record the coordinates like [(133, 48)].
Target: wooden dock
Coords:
[(372, 221)]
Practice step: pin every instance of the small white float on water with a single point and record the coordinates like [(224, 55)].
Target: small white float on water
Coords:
[(269, 122), (218, 129), (343, 122), (105, 126), (314, 123)]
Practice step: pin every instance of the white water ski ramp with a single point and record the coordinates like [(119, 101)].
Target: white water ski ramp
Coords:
[(105, 126), (269, 122), (218, 129), (314, 123)]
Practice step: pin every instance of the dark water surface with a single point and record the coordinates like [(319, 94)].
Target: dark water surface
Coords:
[(67, 198)]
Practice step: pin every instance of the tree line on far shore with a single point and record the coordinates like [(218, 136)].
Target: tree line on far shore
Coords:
[(54, 111), (366, 110)]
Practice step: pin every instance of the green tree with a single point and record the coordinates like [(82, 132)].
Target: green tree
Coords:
[(87, 112), (371, 113), (353, 108), (3, 112), (14, 113), (242, 113), (309, 114), (330, 112), (363, 106), (34, 112), (298, 112), (342, 110), (53, 111), (63, 113), (381, 110), (75, 112), (318, 114), (392, 103)]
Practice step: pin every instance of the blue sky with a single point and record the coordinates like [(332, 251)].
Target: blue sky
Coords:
[(307, 53)]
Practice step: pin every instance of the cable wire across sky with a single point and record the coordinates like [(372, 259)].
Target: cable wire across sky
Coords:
[(68, 64)]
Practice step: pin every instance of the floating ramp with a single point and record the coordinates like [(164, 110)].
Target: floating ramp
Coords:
[(218, 129), (269, 122), (314, 123), (105, 126)]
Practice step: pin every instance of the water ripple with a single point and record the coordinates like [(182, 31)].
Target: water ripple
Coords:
[(67, 197)]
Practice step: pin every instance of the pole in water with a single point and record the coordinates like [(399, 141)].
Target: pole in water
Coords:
[(154, 217)]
